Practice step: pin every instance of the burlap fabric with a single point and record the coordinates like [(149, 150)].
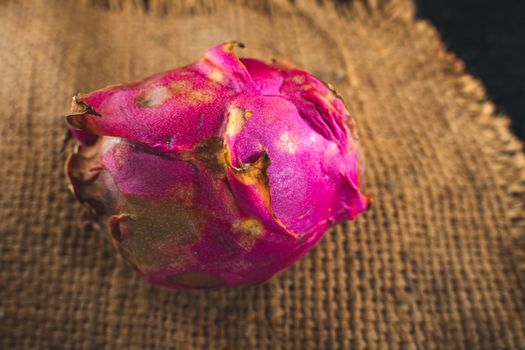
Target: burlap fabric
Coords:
[(437, 263)]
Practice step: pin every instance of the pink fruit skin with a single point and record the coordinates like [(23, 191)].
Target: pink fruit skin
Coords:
[(217, 174)]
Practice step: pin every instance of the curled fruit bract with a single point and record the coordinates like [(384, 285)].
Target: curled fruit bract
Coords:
[(217, 174)]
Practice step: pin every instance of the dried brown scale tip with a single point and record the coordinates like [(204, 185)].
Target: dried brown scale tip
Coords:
[(229, 46), (369, 201), (332, 89), (80, 109), (281, 63)]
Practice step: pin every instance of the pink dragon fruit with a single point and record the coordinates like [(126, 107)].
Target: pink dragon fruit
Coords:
[(217, 174)]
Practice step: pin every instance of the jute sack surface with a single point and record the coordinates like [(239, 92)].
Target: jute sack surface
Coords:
[(437, 263)]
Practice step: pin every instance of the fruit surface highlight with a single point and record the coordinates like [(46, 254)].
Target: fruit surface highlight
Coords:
[(217, 174)]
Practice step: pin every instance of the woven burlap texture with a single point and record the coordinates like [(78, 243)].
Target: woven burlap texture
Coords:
[(437, 263)]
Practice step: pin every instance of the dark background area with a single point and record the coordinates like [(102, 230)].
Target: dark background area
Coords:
[(490, 37)]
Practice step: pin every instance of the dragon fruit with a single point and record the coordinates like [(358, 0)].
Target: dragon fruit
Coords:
[(217, 174)]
